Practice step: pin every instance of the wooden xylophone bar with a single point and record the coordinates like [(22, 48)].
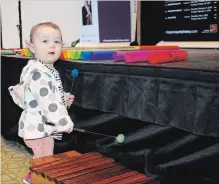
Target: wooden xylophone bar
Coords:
[(72, 167)]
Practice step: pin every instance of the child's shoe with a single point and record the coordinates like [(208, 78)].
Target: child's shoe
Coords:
[(28, 179)]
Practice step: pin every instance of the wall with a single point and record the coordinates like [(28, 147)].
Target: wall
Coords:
[(10, 20), (65, 13)]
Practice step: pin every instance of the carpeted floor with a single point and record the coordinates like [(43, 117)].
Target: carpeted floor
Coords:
[(14, 162)]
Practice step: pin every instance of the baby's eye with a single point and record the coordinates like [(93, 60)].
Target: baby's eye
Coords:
[(45, 41), (58, 42)]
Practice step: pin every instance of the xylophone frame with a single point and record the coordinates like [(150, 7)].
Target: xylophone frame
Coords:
[(72, 167)]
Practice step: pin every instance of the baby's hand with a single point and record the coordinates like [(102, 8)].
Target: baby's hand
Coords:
[(70, 100), (69, 130)]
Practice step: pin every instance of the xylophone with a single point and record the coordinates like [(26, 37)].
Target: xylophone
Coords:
[(73, 167)]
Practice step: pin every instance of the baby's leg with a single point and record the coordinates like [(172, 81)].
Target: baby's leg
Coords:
[(41, 147)]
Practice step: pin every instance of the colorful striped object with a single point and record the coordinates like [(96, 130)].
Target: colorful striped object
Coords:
[(97, 55), (7, 52), (128, 54), (137, 57), (168, 47), (120, 55), (168, 56), (26, 53)]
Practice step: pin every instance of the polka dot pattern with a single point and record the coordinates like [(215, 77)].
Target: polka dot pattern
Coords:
[(53, 107), (40, 127), (44, 92), (46, 134), (56, 75), (36, 76), (50, 84), (33, 104), (21, 125), (44, 104), (44, 119), (63, 122), (34, 70), (53, 89)]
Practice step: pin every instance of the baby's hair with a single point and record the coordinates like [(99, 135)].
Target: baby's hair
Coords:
[(44, 24)]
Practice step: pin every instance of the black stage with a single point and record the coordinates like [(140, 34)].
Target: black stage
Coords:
[(169, 113)]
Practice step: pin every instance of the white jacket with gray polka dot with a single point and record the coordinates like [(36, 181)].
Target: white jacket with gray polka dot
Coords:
[(38, 95)]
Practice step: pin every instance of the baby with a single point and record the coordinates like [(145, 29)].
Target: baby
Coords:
[(40, 94)]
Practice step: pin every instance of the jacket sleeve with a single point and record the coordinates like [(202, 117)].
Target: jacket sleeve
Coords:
[(47, 98)]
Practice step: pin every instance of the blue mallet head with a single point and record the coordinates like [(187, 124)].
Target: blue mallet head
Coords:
[(74, 73)]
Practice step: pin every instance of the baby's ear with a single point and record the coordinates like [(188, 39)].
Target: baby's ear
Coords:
[(30, 46)]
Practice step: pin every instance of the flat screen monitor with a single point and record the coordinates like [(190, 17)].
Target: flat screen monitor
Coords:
[(191, 21), (188, 24)]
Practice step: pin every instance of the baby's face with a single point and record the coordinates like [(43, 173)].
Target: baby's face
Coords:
[(47, 44)]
